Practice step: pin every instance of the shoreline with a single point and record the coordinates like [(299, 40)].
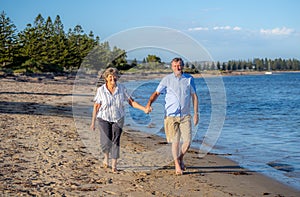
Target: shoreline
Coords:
[(219, 168), (42, 153), (127, 76)]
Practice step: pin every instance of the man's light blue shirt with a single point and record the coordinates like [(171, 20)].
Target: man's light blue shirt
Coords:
[(178, 92)]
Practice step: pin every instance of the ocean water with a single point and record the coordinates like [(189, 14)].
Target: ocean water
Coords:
[(260, 128)]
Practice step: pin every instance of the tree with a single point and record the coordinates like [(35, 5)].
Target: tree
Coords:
[(32, 41), (98, 58), (7, 39), (134, 63), (58, 27), (27, 39), (224, 66), (153, 62), (218, 65), (45, 47), (79, 46), (59, 41), (48, 48), (258, 63), (118, 57), (153, 58)]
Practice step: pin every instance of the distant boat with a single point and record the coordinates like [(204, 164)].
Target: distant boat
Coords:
[(268, 73)]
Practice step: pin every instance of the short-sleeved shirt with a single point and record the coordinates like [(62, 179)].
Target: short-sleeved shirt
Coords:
[(178, 92), (112, 105)]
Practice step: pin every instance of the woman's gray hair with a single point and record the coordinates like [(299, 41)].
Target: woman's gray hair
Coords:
[(111, 71)]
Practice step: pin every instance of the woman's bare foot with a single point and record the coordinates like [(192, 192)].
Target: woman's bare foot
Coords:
[(114, 166), (105, 165), (105, 160), (114, 170)]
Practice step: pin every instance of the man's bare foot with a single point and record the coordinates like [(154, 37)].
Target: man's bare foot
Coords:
[(179, 172)]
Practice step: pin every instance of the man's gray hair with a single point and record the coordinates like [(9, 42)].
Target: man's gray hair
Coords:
[(177, 59)]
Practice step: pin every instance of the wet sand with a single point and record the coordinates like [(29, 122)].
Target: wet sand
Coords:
[(42, 154)]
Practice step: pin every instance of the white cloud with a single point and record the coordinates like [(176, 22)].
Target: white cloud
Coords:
[(237, 28), (198, 29), (222, 27), (277, 31)]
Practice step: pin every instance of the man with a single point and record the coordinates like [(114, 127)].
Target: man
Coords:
[(180, 90)]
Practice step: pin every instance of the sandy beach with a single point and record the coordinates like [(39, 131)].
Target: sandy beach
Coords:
[(42, 154)]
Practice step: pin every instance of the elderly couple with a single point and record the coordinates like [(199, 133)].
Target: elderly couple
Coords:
[(109, 110)]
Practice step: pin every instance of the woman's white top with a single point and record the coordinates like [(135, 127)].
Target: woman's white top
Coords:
[(112, 105)]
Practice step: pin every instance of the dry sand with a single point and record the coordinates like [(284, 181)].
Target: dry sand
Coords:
[(42, 154)]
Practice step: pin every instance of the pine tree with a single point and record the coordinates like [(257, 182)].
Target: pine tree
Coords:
[(7, 40), (60, 43), (73, 59)]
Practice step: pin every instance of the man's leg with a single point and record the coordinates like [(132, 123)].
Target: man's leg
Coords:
[(184, 148), (171, 125), (186, 135), (175, 153)]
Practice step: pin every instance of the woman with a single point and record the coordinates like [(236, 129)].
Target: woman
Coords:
[(109, 111)]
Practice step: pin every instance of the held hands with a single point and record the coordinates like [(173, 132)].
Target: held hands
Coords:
[(147, 109)]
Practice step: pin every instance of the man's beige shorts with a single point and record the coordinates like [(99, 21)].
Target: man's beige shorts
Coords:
[(177, 128)]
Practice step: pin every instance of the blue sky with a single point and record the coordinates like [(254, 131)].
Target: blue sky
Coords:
[(227, 29)]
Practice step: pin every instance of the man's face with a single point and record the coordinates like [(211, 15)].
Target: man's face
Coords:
[(177, 68)]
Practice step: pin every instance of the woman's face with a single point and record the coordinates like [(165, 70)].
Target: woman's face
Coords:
[(111, 79)]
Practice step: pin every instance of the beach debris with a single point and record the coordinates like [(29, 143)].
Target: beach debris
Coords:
[(266, 193)]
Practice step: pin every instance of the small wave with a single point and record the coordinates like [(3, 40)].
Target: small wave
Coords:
[(281, 166)]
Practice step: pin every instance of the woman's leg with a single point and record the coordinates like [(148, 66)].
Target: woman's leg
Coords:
[(105, 160), (105, 139), (115, 150)]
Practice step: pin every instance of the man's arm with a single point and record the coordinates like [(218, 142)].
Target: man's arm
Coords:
[(152, 98), (195, 104)]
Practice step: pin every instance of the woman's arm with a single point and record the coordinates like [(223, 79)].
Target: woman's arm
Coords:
[(95, 110), (138, 106)]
